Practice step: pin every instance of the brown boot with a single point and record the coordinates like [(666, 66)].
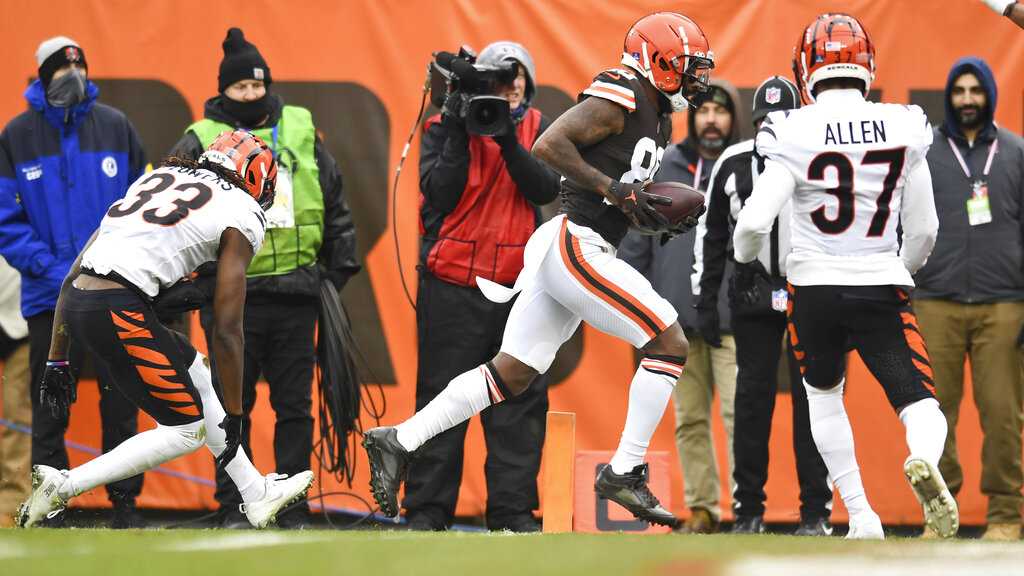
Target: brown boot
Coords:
[(1002, 532), (700, 522)]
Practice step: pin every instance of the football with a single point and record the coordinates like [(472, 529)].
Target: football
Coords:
[(686, 200)]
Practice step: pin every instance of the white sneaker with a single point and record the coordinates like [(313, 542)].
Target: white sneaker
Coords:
[(281, 491), (940, 511), (45, 500), (865, 526)]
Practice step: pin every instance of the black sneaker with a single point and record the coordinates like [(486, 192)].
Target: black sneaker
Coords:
[(126, 515), (748, 525), (630, 491), (389, 462), (814, 527), (519, 523), (230, 518), (424, 523)]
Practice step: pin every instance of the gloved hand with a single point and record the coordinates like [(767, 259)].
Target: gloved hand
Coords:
[(232, 426), (709, 325), (687, 224), (507, 137), (638, 205), (1000, 6), (745, 290), (454, 104), (57, 390)]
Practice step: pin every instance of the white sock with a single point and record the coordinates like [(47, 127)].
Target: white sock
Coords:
[(245, 476), (649, 394), (833, 436), (140, 453), (464, 397), (926, 429)]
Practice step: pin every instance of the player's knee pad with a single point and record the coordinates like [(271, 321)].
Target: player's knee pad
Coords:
[(664, 364)]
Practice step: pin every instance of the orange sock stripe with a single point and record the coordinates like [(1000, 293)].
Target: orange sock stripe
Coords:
[(147, 355), (191, 410), (660, 366), (495, 393)]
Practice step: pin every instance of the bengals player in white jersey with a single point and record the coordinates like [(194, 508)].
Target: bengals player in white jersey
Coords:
[(607, 147), (170, 221), (855, 170)]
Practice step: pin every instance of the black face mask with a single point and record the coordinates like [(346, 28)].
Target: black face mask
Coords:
[(249, 114), (67, 91)]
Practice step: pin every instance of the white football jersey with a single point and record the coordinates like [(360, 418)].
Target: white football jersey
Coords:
[(168, 224), (850, 159)]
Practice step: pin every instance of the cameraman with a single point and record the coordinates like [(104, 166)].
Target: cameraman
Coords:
[(479, 206)]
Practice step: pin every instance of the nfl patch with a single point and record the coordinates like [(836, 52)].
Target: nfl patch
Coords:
[(257, 73), (71, 54), (773, 95)]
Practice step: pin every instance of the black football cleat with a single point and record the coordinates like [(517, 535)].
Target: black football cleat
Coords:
[(630, 491), (389, 462), (748, 525)]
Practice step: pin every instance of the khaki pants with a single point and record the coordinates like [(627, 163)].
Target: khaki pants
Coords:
[(15, 445), (707, 369), (987, 333)]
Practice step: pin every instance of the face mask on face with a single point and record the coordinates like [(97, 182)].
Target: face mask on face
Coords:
[(248, 113), (67, 91)]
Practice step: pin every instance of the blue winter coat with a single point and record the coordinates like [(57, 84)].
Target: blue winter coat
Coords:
[(57, 180)]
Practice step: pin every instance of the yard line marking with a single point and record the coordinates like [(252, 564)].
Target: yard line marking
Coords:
[(243, 541)]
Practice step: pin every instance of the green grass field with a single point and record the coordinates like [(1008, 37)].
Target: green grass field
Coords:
[(373, 552)]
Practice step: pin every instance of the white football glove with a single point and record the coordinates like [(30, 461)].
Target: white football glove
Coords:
[(999, 6)]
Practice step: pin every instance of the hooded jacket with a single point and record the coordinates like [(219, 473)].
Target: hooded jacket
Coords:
[(57, 180), (337, 257), (983, 263), (669, 266)]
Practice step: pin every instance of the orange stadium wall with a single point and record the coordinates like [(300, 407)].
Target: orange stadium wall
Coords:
[(359, 66)]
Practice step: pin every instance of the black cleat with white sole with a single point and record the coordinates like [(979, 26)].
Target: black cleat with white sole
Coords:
[(630, 491), (389, 461)]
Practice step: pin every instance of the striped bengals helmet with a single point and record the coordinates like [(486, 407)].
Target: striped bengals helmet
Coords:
[(670, 51), (250, 156), (833, 46)]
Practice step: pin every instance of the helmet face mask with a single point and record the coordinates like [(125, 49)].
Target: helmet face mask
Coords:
[(672, 53)]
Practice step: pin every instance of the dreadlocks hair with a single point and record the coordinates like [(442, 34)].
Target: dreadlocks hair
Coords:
[(228, 175)]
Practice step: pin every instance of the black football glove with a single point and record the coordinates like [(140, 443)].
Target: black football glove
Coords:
[(639, 205), (453, 107), (709, 325), (745, 290), (57, 390), (232, 426)]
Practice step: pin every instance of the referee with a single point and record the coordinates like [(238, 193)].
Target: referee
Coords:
[(757, 299)]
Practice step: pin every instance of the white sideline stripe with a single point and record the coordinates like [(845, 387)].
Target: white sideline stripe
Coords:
[(883, 565), (243, 541)]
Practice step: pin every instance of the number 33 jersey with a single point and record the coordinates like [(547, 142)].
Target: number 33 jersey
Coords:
[(850, 161), (633, 155), (169, 223)]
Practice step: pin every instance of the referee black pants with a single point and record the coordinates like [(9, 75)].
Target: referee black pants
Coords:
[(459, 329), (758, 340)]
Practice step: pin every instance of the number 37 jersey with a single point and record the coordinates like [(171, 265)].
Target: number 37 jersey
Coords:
[(168, 224), (850, 160)]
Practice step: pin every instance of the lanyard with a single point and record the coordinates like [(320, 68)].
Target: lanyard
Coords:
[(273, 136), (697, 172), (963, 165)]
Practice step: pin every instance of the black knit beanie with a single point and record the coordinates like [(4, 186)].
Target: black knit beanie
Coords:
[(242, 61), (56, 52)]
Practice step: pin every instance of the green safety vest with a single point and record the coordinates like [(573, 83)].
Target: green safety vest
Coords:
[(285, 249)]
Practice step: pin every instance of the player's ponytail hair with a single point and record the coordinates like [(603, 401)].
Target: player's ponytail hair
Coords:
[(229, 176)]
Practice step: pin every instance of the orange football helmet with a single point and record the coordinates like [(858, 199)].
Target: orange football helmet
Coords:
[(250, 156), (672, 52), (833, 46)]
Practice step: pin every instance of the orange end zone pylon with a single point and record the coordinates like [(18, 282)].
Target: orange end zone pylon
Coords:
[(559, 469)]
